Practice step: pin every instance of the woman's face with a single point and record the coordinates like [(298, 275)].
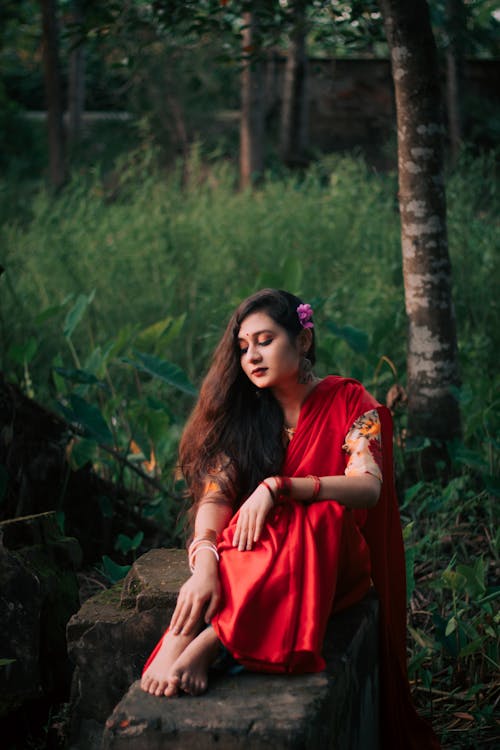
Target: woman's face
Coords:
[(268, 357)]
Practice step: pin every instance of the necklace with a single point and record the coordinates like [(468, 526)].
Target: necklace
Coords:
[(289, 431)]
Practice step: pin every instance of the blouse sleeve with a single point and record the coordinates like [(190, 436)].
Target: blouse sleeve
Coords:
[(364, 446)]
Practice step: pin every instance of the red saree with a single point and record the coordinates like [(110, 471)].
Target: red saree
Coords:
[(318, 558)]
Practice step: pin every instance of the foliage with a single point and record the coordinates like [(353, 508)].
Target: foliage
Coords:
[(452, 546), (116, 291)]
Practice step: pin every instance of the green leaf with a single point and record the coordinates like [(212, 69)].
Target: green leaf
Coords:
[(410, 555), (451, 626), (113, 571), (472, 648), (137, 540), (417, 444), (83, 452), (79, 376), (89, 418), (166, 330), (125, 544), (408, 530), (166, 371), (5, 662), (22, 354), (412, 492), (49, 312), (452, 580), (474, 576), (76, 313), (356, 339)]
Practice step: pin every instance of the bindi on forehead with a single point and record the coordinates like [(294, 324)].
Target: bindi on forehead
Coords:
[(254, 334)]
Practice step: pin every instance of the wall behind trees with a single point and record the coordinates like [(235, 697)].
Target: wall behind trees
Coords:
[(351, 103)]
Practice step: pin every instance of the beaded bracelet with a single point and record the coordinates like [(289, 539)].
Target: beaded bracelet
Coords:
[(317, 487)]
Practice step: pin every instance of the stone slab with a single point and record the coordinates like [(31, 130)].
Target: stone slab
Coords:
[(155, 579), (336, 709), (113, 633)]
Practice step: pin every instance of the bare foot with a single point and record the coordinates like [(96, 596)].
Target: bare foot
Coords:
[(155, 679), (189, 672)]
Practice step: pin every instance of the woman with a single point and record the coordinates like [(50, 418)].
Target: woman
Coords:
[(294, 515)]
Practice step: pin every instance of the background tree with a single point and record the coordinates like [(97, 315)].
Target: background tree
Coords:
[(432, 367), (76, 72), (252, 101), (294, 105), (53, 93), (455, 77)]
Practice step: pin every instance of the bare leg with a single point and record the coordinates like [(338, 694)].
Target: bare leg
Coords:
[(190, 670), (155, 679)]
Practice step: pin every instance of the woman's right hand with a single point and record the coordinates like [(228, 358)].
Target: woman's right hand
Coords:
[(199, 595)]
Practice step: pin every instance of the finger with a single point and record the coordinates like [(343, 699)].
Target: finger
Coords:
[(259, 525), (179, 616), (236, 537), (250, 534), (212, 609), (242, 544), (193, 619)]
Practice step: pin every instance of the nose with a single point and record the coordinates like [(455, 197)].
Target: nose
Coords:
[(253, 353)]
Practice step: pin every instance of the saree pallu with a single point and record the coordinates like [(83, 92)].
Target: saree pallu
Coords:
[(316, 559)]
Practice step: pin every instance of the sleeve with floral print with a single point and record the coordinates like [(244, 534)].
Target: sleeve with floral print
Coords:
[(364, 446)]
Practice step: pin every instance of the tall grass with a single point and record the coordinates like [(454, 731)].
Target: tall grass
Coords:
[(153, 245)]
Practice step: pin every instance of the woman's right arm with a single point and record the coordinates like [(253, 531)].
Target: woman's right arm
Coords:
[(201, 592)]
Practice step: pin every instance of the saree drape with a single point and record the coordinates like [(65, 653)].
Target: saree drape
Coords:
[(316, 559)]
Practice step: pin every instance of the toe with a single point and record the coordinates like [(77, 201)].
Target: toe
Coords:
[(173, 686), (152, 686)]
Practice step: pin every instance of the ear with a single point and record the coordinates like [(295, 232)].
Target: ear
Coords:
[(304, 340)]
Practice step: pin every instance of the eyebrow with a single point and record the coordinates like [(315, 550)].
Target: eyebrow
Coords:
[(257, 333)]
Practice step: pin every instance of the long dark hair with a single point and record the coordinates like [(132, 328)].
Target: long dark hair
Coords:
[(234, 433)]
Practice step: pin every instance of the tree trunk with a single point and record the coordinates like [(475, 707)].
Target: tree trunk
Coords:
[(76, 82), (293, 130), (432, 366), (455, 79), (252, 104), (53, 93)]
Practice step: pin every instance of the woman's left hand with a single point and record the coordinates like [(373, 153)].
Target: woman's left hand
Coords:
[(251, 518)]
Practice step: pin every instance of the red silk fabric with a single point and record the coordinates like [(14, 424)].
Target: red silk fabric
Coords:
[(318, 558)]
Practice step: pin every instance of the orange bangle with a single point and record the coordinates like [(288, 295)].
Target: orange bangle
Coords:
[(317, 487)]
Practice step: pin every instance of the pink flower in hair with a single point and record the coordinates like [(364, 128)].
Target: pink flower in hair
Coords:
[(305, 313)]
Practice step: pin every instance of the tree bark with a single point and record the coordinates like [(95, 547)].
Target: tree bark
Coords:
[(53, 93), (455, 79), (76, 82), (252, 104), (432, 366), (293, 130)]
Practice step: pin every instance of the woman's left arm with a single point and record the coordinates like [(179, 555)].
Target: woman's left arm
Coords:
[(353, 491)]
